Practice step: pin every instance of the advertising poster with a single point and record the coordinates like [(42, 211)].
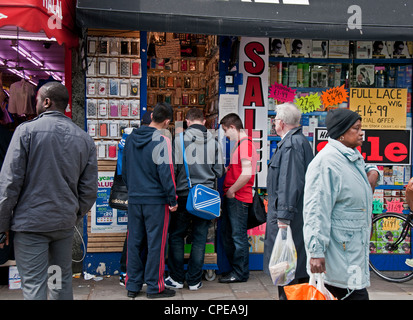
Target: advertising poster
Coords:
[(383, 109), (104, 218), (253, 97), (380, 147)]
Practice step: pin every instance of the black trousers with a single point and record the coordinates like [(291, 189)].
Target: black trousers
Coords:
[(340, 293)]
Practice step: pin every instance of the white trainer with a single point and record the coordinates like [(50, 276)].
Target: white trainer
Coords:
[(171, 283)]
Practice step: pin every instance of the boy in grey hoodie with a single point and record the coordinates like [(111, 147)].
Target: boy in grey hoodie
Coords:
[(205, 163)]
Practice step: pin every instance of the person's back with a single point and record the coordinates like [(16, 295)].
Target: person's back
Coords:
[(57, 152), (147, 170), (144, 177), (204, 158), (48, 181), (205, 165)]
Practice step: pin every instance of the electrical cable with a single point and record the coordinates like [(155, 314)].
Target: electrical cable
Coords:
[(84, 247)]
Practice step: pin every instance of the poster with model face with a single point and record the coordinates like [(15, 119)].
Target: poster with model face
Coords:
[(365, 75), (300, 48), (279, 47), (104, 218)]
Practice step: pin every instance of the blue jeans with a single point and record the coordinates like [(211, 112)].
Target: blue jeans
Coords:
[(234, 235), (181, 221)]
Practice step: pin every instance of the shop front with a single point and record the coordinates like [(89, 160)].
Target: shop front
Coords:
[(246, 57), (36, 42)]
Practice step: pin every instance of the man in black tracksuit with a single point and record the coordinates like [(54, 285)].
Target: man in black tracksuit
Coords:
[(148, 172)]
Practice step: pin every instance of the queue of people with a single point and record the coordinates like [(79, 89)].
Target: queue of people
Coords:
[(329, 212)]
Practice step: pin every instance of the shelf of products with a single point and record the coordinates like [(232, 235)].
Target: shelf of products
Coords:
[(112, 90), (315, 75), (183, 71)]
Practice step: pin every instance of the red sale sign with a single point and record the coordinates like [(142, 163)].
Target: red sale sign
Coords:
[(253, 97), (383, 147)]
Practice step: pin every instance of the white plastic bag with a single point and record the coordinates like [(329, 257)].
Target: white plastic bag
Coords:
[(317, 281), (283, 261)]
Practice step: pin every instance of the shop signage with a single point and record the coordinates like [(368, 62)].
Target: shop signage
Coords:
[(380, 108), (54, 17), (54, 7), (253, 96), (382, 147), (104, 218)]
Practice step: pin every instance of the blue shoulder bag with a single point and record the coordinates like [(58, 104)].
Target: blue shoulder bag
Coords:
[(202, 202)]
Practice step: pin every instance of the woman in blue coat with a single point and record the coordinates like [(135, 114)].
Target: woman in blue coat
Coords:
[(338, 207)]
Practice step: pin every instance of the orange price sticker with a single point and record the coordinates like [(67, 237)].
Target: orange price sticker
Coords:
[(334, 96)]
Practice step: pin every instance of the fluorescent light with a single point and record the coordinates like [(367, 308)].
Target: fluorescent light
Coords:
[(35, 61), (27, 55)]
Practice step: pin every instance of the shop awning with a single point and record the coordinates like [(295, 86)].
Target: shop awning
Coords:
[(55, 17), (311, 19)]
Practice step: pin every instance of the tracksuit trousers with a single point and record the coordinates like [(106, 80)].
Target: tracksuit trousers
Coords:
[(150, 221)]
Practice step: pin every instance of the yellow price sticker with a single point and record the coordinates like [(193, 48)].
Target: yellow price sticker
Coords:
[(309, 103)]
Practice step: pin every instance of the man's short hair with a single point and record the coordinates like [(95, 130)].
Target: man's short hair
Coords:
[(56, 92), (232, 119), (162, 111), (195, 114)]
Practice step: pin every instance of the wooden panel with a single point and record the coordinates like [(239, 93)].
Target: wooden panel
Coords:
[(104, 242)]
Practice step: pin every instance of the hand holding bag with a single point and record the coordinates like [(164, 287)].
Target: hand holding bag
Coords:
[(314, 290), (202, 202), (283, 261)]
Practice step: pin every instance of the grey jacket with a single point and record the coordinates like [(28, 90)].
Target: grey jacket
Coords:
[(285, 186), (204, 158), (49, 176)]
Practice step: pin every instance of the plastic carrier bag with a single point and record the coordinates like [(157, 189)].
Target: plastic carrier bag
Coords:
[(314, 290), (283, 261)]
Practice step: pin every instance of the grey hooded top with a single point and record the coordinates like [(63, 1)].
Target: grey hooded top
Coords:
[(204, 158)]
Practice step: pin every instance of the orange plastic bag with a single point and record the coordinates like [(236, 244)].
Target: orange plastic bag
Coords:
[(309, 291)]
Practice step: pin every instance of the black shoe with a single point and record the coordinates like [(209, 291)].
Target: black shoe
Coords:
[(230, 278), (164, 294), (132, 294)]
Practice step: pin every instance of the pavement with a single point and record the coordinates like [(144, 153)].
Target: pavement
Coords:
[(258, 287)]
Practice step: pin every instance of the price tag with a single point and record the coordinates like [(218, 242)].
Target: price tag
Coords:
[(309, 103), (281, 93), (334, 96), (380, 108), (395, 206), (377, 206)]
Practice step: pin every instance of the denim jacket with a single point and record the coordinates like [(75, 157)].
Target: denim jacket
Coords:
[(337, 214)]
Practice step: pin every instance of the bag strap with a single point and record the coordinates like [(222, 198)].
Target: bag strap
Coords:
[(185, 163), (256, 174)]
